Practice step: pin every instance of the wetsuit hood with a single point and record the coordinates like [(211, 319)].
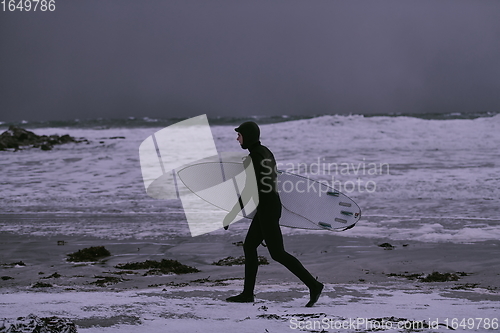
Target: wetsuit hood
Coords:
[(250, 132)]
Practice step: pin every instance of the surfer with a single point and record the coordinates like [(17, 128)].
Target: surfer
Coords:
[(265, 224)]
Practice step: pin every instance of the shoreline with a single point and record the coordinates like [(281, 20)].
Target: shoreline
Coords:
[(334, 259)]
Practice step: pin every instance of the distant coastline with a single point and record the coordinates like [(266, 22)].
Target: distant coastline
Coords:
[(132, 122)]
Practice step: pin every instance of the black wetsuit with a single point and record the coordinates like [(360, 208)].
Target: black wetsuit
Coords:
[(265, 224)]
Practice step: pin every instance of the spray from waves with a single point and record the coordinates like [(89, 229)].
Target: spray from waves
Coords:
[(152, 122)]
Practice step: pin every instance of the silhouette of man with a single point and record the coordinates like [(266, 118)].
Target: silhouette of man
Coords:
[(265, 224)]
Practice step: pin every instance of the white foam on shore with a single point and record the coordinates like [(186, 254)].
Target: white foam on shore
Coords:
[(190, 308), (432, 232)]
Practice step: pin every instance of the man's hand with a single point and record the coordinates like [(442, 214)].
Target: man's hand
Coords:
[(228, 219)]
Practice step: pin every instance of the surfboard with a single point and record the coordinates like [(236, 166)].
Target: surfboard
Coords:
[(307, 203)]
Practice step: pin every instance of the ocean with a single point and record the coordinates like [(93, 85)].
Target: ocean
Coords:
[(430, 177)]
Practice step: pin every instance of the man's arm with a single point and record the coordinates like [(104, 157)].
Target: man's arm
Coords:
[(249, 191)]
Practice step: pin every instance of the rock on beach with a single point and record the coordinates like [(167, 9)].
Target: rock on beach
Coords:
[(35, 324), (17, 138)]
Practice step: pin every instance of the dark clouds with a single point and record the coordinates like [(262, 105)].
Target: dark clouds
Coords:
[(180, 58)]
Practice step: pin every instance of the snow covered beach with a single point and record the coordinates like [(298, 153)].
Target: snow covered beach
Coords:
[(366, 285)]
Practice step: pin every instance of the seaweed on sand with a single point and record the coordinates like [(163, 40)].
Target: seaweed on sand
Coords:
[(440, 277), (165, 266), (387, 246), (407, 275), (230, 261), (103, 281), (41, 285), (53, 276), (93, 253), (14, 264), (33, 323), (433, 277)]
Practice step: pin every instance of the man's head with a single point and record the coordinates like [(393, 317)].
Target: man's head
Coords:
[(249, 133)]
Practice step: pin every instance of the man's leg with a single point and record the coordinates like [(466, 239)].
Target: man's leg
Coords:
[(252, 241), (274, 241)]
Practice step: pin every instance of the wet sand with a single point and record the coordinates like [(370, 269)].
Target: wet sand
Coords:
[(362, 279)]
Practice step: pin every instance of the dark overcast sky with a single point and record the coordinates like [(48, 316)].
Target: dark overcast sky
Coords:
[(121, 58)]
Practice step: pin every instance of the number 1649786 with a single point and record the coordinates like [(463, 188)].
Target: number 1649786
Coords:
[(28, 5)]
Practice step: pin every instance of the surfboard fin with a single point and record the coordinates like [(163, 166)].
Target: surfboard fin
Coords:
[(325, 225)]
